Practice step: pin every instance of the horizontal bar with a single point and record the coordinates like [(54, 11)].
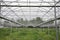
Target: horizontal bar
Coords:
[(25, 6), (25, 2), (46, 27), (31, 27)]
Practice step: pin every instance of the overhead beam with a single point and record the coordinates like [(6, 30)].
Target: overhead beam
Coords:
[(26, 2), (30, 5), (25, 6)]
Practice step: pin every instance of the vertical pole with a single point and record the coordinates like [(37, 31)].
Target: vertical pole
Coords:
[(56, 24), (0, 12), (0, 8), (57, 32), (48, 30), (11, 27)]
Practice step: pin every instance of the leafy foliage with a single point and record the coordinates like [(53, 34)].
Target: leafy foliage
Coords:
[(27, 34)]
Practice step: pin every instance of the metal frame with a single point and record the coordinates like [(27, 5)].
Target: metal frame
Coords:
[(24, 6), (54, 6)]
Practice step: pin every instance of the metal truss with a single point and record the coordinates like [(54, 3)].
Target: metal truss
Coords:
[(28, 5)]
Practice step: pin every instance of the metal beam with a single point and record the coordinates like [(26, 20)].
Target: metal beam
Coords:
[(49, 21), (27, 2), (25, 6), (10, 20), (56, 25), (29, 5)]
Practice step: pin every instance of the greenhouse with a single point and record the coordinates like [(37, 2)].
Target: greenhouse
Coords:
[(30, 19)]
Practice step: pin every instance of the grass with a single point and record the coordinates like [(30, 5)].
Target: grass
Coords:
[(27, 34)]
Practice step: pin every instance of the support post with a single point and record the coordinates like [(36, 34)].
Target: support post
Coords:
[(57, 32), (0, 12)]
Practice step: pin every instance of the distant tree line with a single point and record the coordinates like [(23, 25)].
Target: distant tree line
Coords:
[(36, 20)]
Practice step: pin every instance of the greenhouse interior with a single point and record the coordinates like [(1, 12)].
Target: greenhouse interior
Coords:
[(29, 19)]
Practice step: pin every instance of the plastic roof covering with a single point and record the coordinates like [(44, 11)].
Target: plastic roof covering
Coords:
[(29, 13)]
